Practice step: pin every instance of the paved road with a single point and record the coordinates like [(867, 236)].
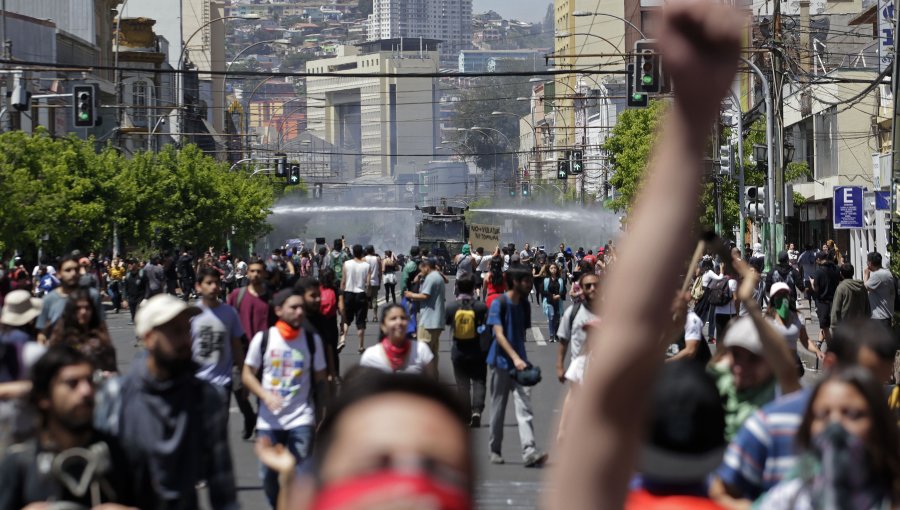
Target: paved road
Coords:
[(504, 486), (500, 486)]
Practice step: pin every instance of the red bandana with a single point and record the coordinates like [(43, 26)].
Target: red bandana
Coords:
[(395, 354), (286, 330)]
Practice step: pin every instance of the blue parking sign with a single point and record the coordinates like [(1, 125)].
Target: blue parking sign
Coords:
[(848, 207)]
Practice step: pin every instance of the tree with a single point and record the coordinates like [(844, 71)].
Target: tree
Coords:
[(487, 95), (629, 151), (61, 194)]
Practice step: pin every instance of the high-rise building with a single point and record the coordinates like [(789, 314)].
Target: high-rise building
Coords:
[(449, 21)]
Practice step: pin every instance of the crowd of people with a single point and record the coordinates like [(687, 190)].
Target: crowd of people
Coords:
[(651, 418)]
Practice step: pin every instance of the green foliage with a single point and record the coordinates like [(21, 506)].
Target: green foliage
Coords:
[(64, 190), (629, 150)]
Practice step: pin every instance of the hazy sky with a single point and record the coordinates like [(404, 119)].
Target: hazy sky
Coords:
[(525, 10)]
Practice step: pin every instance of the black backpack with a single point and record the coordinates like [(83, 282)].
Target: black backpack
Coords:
[(719, 292)]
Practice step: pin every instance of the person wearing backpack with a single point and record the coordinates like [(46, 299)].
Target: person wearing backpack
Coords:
[(722, 299), (466, 318), (336, 259), (784, 272), (571, 332), (285, 367)]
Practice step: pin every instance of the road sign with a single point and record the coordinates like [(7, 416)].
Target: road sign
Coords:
[(848, 207), (882, 200)]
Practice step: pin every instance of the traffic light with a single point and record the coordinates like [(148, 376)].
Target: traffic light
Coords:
[(526, 189), (281, 165), (577, 165), (512, 192), (756, 197), (562, 169), (317, 191), (20, 98), (83, 105), (648, 73), (725, 159), (294, 176), (635, 98)]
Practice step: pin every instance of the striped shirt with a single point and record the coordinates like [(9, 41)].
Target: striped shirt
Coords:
[(762, 453)]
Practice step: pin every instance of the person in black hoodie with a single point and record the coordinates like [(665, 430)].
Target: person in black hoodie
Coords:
[(169, 415), (783, 272), (823, 284), (135, 288)]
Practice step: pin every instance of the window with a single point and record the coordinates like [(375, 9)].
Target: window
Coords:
[(139, 103)]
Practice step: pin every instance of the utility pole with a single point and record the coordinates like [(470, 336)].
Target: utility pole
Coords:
[(776, 237), (893, 238)]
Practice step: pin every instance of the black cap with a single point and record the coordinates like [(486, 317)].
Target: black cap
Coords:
[(686, 430), (281, 296), (783, 258)]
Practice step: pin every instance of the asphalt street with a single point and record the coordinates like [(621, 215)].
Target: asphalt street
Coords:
[(510, 485)]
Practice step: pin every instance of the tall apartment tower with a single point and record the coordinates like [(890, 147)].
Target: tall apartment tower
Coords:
[(449, 21)]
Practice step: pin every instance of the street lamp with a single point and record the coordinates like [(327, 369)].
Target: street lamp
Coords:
[(184, 49), (280, 42), (564, 35)]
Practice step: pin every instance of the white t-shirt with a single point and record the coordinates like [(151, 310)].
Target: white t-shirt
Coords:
[(708, 278), (729, 308), (37, 269), (417, 359), (286, 372), (575, 372), (484, 265), (578, 335), (375, 267), (693, 327), (356, 276), (791, 332)]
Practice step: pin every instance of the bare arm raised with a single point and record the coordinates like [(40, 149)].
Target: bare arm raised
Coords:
[(700, 41)]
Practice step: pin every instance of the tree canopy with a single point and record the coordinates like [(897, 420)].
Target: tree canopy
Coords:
[(61, 194)]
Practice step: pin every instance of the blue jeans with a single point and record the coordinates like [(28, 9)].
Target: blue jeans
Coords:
[(299, 442), (553, 320)]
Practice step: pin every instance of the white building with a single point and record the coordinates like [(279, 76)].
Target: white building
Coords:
[(449, 21), (384, 127)]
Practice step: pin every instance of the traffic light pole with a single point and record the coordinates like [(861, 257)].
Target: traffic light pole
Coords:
[(741, 184)]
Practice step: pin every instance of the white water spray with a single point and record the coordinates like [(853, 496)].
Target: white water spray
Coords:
[(546, 214), (335, 209)]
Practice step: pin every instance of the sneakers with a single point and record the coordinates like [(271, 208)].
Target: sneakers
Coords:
[(535, 459), (475, 421), (496, 458), (341, 345)]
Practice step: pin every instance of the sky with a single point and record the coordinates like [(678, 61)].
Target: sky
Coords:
[(525, 10)]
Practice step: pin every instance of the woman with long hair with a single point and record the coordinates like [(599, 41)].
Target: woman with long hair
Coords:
[(396, 352), (328, 308), (389, 267), (554, 293), (494, 283), (850, 452), (81, 327)]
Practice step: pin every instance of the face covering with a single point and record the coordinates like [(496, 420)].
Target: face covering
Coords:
[(843, 475), (396, 354), (782, 307), (400, 486), (286, 330)]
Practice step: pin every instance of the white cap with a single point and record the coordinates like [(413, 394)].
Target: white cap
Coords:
[(779, 287), (159, 310), (743, 333)]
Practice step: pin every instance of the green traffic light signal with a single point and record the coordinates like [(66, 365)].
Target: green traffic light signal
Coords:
[(83, 115), (647, 79)]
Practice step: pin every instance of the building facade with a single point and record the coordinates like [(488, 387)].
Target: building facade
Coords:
[(449, 21), (385, 126)]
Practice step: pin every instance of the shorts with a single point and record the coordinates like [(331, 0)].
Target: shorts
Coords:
[(390, 279), (355, 307), (823, 312)]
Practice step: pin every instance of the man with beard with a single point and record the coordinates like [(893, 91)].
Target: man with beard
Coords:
[(32, 472), (168, 414), (55, 301)]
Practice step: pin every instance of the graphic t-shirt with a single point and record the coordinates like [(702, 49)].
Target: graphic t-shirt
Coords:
[(211, 334), (287, 372)]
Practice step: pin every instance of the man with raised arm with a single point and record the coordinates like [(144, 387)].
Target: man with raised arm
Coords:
[(701, 43)]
